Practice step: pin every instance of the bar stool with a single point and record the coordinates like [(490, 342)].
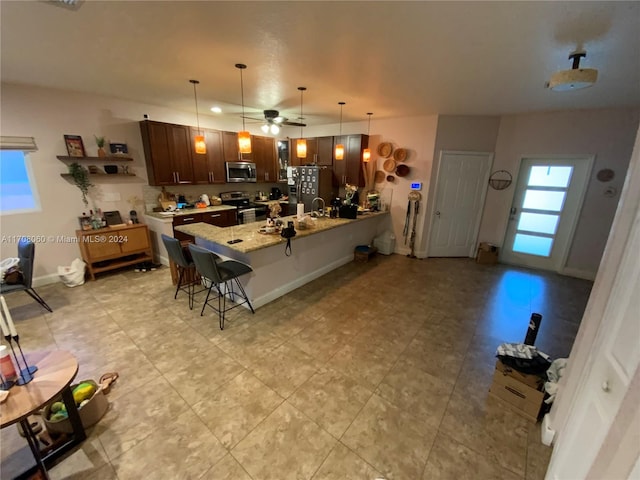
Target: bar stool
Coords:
[(222, 276), (186, 268)]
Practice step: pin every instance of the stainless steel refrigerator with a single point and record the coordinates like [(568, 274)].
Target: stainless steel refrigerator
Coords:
[(307, 183)]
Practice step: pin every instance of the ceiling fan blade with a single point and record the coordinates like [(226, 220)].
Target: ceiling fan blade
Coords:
[(252, 118), (294, 124)]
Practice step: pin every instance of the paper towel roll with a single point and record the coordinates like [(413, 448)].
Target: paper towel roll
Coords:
[(300, 210)]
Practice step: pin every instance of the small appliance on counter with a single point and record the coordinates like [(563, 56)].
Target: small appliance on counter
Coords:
[(348, 211), (275, 194)]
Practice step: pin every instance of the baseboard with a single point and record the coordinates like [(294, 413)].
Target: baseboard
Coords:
[(298, 282), (578, 273), (45, 280)]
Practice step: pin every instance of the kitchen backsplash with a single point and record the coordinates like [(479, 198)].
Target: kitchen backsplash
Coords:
[(192, 192)]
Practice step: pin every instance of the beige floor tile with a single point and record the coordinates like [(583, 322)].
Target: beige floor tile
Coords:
[(484, 425), (180, 447), (331, 399), (319, 341), (287, 445), (88, 461), (538, 455), (390, 439), (226, 469), (235, 409), (367, 364), (134, 416), (343, 464), (416, 392), (250, 344), (451, 460), (197, 379), (285, 368)]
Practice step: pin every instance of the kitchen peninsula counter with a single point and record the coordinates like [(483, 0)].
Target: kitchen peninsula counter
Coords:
[(314, 251)]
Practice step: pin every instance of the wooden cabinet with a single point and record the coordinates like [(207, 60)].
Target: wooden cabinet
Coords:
[(324, 155), (312, 151), (219, 218), (167, 149), (208, 167), (349, 170), (230, 149), (111, 248), (264, 156)]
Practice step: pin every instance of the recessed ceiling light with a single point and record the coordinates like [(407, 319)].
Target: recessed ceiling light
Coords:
[(216, 109)]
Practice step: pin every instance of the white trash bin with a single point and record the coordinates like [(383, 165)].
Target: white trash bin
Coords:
[(385, 243), (73, 275)]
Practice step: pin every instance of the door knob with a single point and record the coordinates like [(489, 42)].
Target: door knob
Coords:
[(605, 386), (438, 213)]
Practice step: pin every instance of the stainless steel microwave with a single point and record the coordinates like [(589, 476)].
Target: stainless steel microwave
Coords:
[(241, 172)]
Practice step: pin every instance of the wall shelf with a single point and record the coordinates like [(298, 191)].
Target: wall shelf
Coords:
[(113, 158), (101, 175)]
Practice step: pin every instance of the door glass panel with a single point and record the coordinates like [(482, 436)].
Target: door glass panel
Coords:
[(543, 200), (532, 245), (547, 176), (538, 222)]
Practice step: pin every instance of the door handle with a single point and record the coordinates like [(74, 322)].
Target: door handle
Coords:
[(438, 213), (513, 210)]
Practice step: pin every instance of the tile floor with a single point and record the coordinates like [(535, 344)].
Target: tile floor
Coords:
[(374, 370)]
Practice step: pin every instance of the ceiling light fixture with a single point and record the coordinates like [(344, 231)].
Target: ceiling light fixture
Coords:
[(301, 144), (244, 137), (200, 145), (270, 127), (574, 79), (366, 153), (216, 109), (340, 146)]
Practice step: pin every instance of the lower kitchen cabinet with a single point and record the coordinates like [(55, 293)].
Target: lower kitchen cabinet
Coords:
[(220, 218), (111, 248)]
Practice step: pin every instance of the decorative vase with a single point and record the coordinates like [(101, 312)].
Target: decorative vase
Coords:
[(101, 152)]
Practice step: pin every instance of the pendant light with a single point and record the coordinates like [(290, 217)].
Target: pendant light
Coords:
[(339, 154), (244, 137), (301, 144), (366, 153), (201, 146)]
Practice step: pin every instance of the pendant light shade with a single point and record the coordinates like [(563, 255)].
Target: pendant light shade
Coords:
[(366, 153), (200, 145), (244, 137), (301, 144), (339, 153)]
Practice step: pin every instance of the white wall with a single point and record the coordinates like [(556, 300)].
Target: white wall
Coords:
[(608, 134)]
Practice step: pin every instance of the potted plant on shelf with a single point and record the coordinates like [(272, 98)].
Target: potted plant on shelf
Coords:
[(100, 142), (80, 177)]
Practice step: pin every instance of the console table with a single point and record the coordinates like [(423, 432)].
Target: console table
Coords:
[(114, 247)]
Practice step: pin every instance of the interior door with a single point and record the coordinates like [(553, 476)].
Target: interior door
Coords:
[(461, 186), (545, 208)]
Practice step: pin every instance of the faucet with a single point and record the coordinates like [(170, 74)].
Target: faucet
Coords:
[(317, 212)]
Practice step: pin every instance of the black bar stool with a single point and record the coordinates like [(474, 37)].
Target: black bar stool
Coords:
[(222, 276), (186, 268)]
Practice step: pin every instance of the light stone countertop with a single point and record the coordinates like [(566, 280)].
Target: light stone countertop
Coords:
[(253, 240)]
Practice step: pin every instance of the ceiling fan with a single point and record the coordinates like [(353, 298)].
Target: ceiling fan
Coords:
[(272, 121)]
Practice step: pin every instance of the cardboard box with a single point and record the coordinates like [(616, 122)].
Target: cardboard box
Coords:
[(523, 399), (90, 413), (487, 254), (533, 381)]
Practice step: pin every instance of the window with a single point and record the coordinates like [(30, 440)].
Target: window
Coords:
[(18, 192)]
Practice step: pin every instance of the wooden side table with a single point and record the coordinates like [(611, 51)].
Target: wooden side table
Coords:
[(56, 371)]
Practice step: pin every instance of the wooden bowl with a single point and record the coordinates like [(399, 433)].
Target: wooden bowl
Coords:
[(389, 165), (390, 178), (379, 176), (400, 155), (385, 149)]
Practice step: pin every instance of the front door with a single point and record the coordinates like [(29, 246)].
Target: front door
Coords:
[(460, 190), (545, 208)]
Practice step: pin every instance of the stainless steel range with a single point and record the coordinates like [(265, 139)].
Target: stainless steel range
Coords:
[(248, 211)]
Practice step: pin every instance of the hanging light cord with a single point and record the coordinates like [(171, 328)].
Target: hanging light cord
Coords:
[(195, 97), (369, 127), (242, 97), (301, 117), (341, 105)]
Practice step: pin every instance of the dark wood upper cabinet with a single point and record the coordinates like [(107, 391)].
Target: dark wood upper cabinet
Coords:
[(208, 167), (324, 156), (349, 170), (230, 146), (312, 151), (264, 156), (167, 152)]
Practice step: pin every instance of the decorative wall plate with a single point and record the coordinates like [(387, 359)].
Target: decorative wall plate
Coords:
[(400, 155), (379, 176), (389, 165), (402, 170), (385, 149)]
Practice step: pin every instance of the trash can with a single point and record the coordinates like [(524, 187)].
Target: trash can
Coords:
[(385, 243), (73, 275)]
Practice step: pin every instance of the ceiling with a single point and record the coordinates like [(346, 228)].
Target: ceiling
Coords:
[(392, 58)]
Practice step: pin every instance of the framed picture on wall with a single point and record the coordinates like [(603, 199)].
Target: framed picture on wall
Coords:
[(75, 147)]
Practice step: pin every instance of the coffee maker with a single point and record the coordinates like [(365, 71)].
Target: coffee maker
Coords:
[(275, 194)]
